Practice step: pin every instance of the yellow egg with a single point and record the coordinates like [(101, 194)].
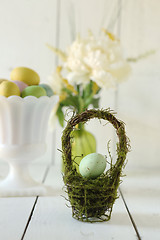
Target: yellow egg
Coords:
[(8, 88), (2, 79), (26, 75)]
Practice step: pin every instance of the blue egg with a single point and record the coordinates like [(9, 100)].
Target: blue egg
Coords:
[(92, 165), (47, 88)]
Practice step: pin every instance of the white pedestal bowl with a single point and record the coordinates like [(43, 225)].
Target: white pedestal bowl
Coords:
[(23, 128)]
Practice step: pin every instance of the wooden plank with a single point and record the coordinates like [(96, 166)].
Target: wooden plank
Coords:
[(53, 220), (16, 211), (27, 27), (77, 17), (142, 196), (138, 97)]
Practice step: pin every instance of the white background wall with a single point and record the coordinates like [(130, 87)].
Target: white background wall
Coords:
[(27, 25)]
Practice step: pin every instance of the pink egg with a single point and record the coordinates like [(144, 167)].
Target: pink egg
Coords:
[(20, 84)]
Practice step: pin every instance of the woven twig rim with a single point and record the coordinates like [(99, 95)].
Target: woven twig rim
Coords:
[(83, 193)]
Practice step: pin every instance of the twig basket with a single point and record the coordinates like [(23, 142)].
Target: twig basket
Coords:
[(93, 199)]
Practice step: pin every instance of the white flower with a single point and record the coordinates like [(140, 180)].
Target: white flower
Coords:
[(103, 79), (78, 77), (99, 59), (74, 61)]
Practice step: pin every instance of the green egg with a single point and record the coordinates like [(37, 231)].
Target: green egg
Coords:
[(92, 165), (48, 89), (35, 91)]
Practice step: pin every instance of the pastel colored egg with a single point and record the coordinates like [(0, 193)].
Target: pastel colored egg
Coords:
[(8, 88), (48, 89), (35, 91), (92, 165), (2, 80), (26, 75), (21, 85)]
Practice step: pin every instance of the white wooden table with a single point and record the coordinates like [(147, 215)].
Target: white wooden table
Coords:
[(136, 214)]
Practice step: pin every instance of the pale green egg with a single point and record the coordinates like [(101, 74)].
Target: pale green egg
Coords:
[(92, 165), (35, 91)]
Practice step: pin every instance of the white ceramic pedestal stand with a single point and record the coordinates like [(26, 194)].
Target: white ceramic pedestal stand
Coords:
[(23, 127)]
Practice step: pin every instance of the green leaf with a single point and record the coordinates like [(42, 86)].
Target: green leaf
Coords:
[(71, 100), (80, 104), (95, 102), (78, 88), (68, 91), (60, 115), (67, 102), (87, 90), (74, 101), (88, 101)]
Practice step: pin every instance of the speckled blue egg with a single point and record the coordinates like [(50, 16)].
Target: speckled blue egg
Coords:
[(92, 165)]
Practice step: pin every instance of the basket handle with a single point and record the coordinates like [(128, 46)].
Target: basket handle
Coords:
[(122, 146)]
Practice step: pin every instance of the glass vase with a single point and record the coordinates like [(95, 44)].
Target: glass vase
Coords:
[(83, 143)]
